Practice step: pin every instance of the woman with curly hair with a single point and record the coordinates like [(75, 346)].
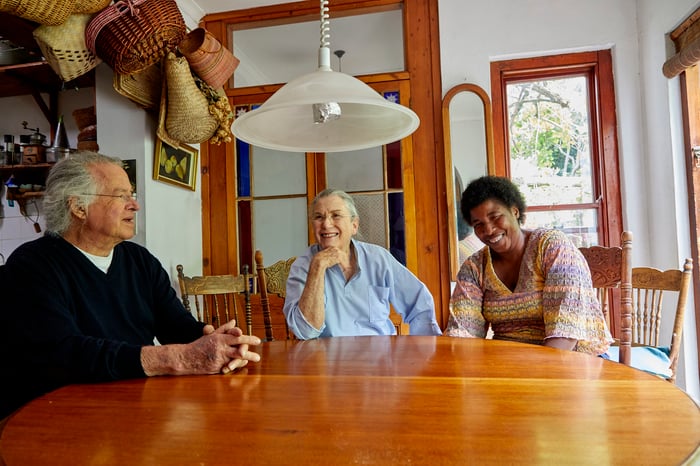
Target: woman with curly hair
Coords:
[(531, 286)]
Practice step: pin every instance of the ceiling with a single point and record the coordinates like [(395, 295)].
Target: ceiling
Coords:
[(275, 59), (217, 6)]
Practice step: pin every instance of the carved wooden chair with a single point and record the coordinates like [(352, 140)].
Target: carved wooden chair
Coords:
[(611, 272), (217, 298), (271, 291), (649, 286)]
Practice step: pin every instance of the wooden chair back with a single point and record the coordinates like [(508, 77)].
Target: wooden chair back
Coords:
[(611, 273), (217, 297), (271, 291), (648, 290)]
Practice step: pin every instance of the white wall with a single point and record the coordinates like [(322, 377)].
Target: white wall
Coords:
[(169, 223), (472, 34), (664, 155)]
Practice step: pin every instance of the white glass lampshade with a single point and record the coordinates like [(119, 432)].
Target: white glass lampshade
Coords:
[(286, 120)]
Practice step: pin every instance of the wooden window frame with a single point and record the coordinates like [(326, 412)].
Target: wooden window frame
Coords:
[(597, 67)]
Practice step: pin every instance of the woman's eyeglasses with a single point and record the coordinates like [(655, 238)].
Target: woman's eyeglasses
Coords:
[(335, 217)]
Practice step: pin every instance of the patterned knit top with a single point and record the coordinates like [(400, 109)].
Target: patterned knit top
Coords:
[(553, 297)]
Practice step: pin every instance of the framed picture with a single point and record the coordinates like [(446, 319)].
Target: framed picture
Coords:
[(176, 166), (130, 169)]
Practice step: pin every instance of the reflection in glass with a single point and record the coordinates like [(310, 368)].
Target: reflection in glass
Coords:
[(468, 138), (581, 225)]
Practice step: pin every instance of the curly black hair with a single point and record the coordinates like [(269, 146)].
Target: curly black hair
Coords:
[(492, 187)]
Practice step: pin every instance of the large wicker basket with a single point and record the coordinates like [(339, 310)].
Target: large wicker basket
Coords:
[(143, 88), (49, 12), (90, 6), (131, 35), (64, 48), (212, 62)]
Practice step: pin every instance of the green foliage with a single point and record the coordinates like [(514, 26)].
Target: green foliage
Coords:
[(546, 130)]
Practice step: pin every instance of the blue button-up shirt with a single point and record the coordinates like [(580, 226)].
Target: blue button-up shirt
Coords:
[(361, 305)]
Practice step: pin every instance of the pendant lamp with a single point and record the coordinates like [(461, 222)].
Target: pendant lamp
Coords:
[(325, 111)]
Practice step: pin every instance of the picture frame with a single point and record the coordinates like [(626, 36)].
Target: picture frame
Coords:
[(175, 165)]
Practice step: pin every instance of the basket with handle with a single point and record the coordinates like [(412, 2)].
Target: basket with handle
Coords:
[(131, 35), (90, 6)]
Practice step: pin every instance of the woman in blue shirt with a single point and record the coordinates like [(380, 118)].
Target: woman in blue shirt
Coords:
[(344, 287)]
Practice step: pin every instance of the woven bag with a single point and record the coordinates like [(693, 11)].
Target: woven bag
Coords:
[(212, 62), (90, 6), (64, 48), (161, 132), (49, 12), (220, 107), (131, 35), (187, 119)]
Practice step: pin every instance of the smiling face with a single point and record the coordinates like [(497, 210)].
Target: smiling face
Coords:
[(496, 225), (332, 223)]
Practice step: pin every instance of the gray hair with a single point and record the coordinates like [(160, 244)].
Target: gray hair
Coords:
[(349, 201), (71, 177)]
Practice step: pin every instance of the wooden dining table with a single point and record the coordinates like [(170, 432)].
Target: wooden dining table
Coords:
[(370, 400)]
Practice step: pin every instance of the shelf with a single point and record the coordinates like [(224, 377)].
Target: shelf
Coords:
[(25, 166), (15, 195)]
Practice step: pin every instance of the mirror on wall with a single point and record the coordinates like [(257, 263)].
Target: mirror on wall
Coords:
[(468, 136)]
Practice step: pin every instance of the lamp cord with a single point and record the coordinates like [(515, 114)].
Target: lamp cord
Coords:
[(325, 24)]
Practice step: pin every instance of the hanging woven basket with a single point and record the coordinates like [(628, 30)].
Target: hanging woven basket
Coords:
[(188, 118), (142, 88), (49, 12), (131, 35), (210, 60), (64, 48)]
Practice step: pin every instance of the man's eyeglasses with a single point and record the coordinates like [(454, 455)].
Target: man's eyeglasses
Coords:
[(124, 197)]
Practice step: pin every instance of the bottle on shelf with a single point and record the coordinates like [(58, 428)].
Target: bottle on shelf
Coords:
[(60, 147)]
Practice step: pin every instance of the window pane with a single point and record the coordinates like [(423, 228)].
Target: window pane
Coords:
[(359, 170), (550, 140), (394, 173), (243, 167), (278, 173), (280, 228), (278, 54), (373, 219), (397, 237), (580, 225), (245, 234)]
